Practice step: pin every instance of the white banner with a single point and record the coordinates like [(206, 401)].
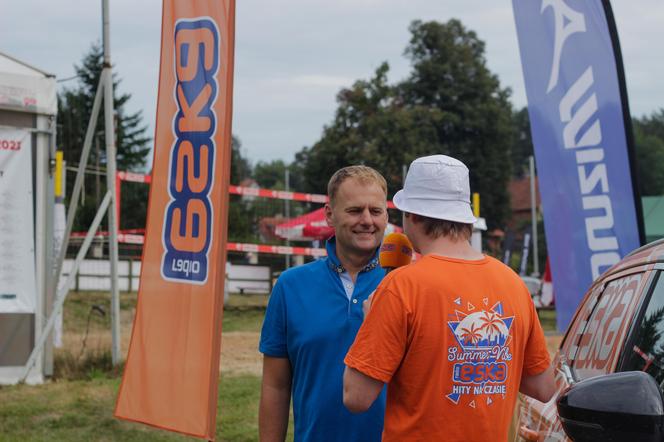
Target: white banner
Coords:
[(17, 245)]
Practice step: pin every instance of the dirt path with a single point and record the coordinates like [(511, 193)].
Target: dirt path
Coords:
[(239, 349), (239, 353)]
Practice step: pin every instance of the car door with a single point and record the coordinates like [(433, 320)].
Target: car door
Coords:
[(592, 346)]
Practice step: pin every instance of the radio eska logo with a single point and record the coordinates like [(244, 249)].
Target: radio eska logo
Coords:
[(188, 221)]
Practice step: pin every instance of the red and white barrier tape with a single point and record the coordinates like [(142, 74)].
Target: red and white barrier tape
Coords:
[(128, 237), (277, 194), (134, 177), (247, 191), (278, 250)]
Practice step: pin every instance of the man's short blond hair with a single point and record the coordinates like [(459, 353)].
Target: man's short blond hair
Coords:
[(364, 174)]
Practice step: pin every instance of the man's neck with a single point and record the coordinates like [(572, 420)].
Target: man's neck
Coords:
[(444, 246), (353, 262)]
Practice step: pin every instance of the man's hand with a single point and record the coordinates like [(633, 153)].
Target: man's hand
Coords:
[(366, 304)]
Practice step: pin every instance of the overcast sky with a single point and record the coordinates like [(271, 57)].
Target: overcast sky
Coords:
[(293, 56)]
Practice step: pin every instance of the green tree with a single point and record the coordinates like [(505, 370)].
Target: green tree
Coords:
[(241, 219), (451, 76), (450, 104), (272, 175), (522, 147), (649, 141), (347, 139), (132, 142), (372, 126), (240, 166), (653, 124)]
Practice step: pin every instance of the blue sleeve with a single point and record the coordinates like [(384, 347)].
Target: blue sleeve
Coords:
[(273, 335)]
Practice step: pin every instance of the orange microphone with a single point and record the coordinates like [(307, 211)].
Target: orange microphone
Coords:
[(396, 251)]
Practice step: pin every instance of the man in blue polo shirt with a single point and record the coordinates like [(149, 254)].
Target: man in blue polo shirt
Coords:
[(314, 313)]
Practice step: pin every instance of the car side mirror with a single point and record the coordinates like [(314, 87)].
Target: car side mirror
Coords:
[(614, 407)]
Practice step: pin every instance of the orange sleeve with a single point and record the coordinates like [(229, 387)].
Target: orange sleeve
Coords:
[(382, 339), (537, 357)]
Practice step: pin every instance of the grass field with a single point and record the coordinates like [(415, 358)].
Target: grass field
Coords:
[(77, 405), (81, 410)]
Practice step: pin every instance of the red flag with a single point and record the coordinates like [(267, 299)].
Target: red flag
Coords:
[(171, 375)]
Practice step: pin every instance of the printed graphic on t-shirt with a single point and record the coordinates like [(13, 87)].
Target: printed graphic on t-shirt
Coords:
[(480, 353)]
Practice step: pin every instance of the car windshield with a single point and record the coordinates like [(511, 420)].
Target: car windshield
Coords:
[(647, 353)]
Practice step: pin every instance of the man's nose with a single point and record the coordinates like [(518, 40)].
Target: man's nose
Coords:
[(366, 217)]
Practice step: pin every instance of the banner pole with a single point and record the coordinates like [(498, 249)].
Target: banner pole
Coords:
[(627, 119)]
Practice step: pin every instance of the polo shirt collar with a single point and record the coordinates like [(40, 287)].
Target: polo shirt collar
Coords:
[(334, 263)]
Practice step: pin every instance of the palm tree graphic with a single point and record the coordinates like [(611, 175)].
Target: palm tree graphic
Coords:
[(492, 324), (471, 335)]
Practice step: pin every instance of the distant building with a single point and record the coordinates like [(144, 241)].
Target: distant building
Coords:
[(251, 183), (519, 190)]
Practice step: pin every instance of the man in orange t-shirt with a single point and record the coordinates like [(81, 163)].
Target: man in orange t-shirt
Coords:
[(454, 335)]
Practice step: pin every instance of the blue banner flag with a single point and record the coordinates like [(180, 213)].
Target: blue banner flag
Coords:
[(581, 132)]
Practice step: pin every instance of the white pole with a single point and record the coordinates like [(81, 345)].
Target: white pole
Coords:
[(49, 276), (62, 293), (109, 131), (41, 247), (533, 213)]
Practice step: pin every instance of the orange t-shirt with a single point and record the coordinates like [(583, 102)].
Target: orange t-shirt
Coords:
[(451, 338)]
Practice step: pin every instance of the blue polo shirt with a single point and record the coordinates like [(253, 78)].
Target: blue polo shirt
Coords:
[(312, 322)]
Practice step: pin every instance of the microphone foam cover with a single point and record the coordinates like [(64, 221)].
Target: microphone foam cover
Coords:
[(396, 251)]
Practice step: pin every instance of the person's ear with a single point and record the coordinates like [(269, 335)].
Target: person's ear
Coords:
[(328, 215), (415, 218)]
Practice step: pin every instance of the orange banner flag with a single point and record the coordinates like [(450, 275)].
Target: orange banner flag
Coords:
[(171, 376)]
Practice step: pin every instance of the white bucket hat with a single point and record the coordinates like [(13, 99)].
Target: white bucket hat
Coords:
[(437, 186)]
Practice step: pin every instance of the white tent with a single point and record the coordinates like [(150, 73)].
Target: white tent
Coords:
[(28, 106), (24, 88)]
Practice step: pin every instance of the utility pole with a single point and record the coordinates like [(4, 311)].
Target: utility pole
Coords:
[(109, 130), (533, 216)]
